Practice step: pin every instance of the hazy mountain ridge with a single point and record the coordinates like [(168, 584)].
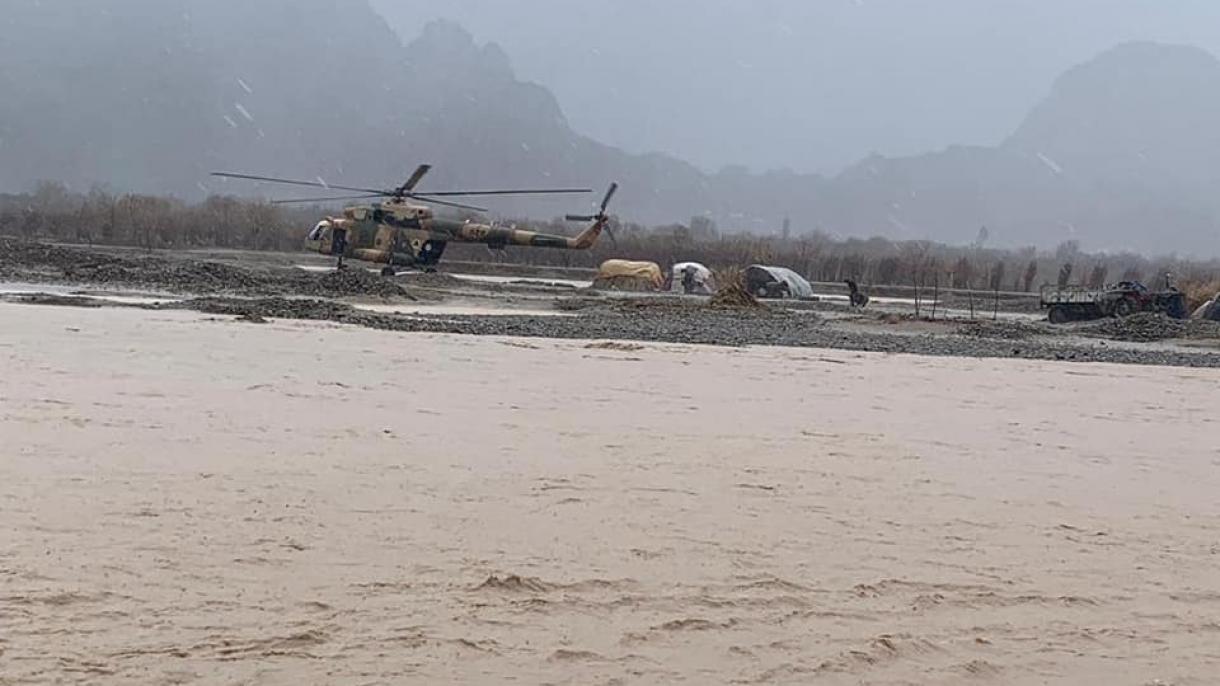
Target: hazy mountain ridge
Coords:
[(288, 87), (1116, 156), (808, 86), (1119, 154)]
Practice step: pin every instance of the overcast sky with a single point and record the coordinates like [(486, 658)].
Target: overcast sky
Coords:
[(810, 85)]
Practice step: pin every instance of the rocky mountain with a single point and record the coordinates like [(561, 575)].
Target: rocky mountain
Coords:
[(151, 95), (1118, 155)]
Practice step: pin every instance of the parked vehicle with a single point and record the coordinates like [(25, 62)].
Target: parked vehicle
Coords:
[(1123, 299)]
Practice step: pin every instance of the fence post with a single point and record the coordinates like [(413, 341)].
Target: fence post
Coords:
[(935, 294)]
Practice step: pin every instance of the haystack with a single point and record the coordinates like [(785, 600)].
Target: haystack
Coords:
[(733, 291)]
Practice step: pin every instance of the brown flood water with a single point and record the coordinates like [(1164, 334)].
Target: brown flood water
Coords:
[(191, 500)]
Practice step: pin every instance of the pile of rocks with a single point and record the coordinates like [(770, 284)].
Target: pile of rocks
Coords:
[(280, 308), (1143, 327), (169, 272), (344, 282)]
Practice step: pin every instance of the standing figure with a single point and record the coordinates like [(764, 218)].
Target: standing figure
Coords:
[(688, 280), (857, 298)]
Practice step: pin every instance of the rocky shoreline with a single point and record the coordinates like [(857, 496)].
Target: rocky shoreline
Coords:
[(257, 293)]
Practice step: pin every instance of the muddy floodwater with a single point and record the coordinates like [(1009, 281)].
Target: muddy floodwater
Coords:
[(193, 499)]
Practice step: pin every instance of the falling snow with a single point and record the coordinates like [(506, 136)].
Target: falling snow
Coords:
[(244, 112), (1050, 164), (896, 223)]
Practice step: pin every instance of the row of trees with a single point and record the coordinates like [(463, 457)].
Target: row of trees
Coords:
[(877, 261), (152, 222), (53, 212)]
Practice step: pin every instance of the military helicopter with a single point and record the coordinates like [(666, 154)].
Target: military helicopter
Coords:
[(397, 232)]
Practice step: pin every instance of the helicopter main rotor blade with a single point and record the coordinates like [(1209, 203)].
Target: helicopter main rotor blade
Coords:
[(420, 172), (535, 191), (434, 201), (581, 217), (332, 199), (295, 182), (609, 194)]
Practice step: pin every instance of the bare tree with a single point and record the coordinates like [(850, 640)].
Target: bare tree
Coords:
[(1097, 277), (1031, 273), (997, 276), (1065, 274)]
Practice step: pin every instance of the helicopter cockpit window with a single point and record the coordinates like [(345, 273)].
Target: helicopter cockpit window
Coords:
[(319, 231)]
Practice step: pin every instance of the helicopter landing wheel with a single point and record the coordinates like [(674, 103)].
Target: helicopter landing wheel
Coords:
[(388, 272)]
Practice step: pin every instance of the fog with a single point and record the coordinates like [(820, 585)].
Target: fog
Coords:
[(810, 85), (1095, 121)]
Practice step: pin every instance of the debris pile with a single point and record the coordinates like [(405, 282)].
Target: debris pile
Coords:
[(278, 308), (348, 282), (179, 275), (1144, 327), (514, 584), (35, 261), (30, 259), (16, 254), (733, 292)]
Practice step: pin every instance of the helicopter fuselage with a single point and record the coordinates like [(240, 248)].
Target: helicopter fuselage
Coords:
[(403, 234)]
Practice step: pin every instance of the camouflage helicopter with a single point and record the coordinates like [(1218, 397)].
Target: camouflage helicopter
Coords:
[(399, 233)]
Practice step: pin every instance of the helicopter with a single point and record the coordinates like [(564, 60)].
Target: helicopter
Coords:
[(397, 228)]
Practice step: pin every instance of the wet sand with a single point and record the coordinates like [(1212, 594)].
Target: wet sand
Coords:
[(195, 500)]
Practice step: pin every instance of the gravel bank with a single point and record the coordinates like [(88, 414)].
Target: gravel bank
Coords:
[(40, 262), (255, 293), (1149, 327), (708, 326)]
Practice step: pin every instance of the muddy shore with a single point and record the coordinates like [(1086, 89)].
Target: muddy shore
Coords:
[(258, 291)]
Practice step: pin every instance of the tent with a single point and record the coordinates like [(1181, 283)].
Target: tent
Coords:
[(703, 282), (623, 275), (777, 282), (1209, 310)]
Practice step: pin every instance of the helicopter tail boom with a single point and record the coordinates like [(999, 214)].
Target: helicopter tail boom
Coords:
[(499, 237)]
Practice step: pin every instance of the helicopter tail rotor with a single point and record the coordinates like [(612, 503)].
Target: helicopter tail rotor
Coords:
[(601, 218)]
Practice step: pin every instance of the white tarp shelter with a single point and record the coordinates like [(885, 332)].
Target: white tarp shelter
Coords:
[(777, 282), (1209, 310), (703, 281)]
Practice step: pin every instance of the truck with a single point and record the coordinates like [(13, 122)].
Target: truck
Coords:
[(1077, 303)]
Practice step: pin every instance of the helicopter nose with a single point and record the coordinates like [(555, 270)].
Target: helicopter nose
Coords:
[(319, 231)]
